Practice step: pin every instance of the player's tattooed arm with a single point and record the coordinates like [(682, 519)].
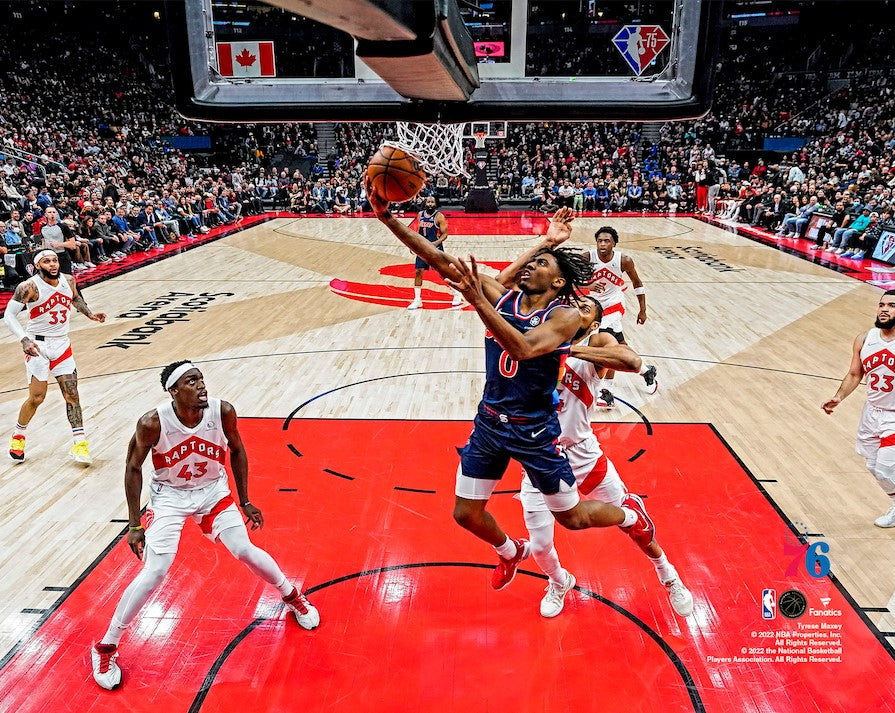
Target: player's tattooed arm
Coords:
[(80, 304), (26, 292)]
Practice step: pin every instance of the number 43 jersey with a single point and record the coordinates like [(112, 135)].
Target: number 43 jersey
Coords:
[(879, 367), (189, 458)]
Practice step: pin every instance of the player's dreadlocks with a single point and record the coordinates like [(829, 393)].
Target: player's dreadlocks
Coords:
[(575, 267), (168, 370)]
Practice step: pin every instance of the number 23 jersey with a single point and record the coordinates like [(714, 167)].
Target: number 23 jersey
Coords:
[(189, 458), (879, 366)]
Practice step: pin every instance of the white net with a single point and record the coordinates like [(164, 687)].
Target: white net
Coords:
[(437, 147)]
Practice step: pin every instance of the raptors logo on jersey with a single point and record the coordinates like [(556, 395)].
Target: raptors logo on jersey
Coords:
[(608, 280), (189, 458), (879, 367), (49, 315)]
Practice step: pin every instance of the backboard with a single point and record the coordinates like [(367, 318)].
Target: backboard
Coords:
[(247, 60)]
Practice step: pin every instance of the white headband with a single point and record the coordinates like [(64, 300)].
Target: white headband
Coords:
[(42, 254), (177, 373)]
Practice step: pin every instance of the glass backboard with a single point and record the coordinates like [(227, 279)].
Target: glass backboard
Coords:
[(554, 60)]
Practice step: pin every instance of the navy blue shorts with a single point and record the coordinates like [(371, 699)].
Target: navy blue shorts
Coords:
[(493, 443), (421, 264)]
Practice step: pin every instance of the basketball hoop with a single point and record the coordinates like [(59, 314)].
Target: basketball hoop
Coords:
[(479, 139), (438, 148)]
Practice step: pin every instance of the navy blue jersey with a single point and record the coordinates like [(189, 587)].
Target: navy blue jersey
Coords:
[(522, 388), (428, 228)]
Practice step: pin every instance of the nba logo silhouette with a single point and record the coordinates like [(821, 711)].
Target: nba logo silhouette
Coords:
[(640, 45), (768, 603)]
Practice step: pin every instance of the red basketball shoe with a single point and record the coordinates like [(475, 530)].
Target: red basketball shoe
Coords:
[(643, 531), (505, 572)]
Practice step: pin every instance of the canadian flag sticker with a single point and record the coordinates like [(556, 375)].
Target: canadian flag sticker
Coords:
[(246, 59)]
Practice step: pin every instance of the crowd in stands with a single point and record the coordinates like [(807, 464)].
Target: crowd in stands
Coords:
[(83, 134)]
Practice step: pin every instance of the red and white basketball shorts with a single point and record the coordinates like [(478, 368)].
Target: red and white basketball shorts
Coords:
[(876, 435), (590, 465), (612, 317), (55, 358), (211, 506)]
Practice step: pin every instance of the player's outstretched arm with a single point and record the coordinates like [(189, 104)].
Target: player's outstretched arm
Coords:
[(559, 231), (444, 264), (145, 437), (558, 329), (852, 378), (239, 464), (603, 351)]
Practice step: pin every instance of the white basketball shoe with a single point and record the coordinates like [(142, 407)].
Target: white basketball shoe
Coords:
[(555, 598), (305, 613), (887, 520), (105, 671), (680, 597)]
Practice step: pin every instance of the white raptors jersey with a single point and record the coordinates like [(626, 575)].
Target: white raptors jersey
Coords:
[(189, 458), (608, 279), (577, 389), (879, 366), (49, 315)]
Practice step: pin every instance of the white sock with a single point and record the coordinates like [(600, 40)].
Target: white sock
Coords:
[(643, 368), (607, 384), (507, 550), (630, 518), (664, 569), (417, 293)]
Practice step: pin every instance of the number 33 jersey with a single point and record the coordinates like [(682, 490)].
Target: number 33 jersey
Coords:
[(48, 316), (879, 367), (189, 458)]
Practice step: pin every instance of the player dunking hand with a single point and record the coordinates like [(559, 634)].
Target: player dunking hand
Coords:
[(529, 331)]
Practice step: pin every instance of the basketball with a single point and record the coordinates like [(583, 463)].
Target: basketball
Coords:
[(395, 175)]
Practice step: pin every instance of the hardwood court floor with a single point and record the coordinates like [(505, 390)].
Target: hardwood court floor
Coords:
[(746, 338)]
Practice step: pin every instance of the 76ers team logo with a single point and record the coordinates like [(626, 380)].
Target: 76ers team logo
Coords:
[(640, 45)]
